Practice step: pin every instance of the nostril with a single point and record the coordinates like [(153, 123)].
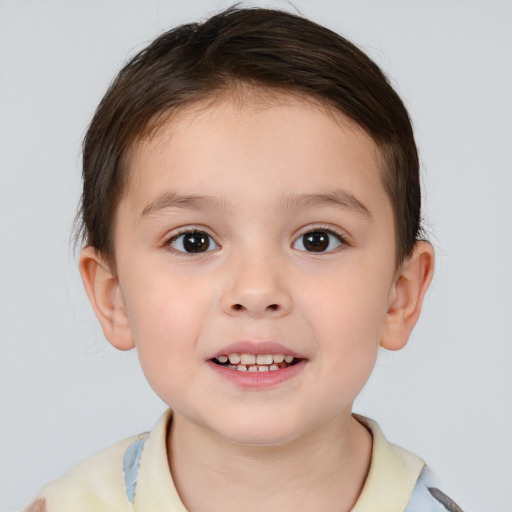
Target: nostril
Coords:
[(255, 309)]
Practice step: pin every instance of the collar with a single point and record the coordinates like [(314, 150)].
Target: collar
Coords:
[(392, 476), (391, 479)]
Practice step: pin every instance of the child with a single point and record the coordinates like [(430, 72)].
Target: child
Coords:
[(251, 218)]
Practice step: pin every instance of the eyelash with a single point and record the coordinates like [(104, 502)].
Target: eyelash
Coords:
[(190, 231), (323, 229), (315, 229)]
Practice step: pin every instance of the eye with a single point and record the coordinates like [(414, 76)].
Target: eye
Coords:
[(320, 240), (192, 242)]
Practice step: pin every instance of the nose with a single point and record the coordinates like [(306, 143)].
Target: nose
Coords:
[(256, 289)]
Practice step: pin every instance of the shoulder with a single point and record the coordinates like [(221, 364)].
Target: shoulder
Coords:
[(398, 480), (97, 483), (427, 497)]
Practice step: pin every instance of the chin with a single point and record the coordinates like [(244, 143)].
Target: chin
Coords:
[(260, 440), (260, 433)]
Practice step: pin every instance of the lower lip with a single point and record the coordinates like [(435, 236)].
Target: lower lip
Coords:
[(258, 380)]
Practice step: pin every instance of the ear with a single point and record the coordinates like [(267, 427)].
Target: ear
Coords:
[(411, 282), (106, 298)]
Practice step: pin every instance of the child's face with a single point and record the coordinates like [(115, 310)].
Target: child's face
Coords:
[(253, 180)]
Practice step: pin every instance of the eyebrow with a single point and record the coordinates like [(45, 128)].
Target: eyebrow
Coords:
[(185, 201), (337, 198)]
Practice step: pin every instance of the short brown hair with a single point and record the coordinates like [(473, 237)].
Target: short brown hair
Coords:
[(261, 48)]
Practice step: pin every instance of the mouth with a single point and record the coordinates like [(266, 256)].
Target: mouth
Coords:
[(255, 362)]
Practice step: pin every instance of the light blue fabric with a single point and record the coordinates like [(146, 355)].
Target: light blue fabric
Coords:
[(427, 497), (131, 461)]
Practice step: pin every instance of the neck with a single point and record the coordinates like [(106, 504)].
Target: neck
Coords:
[(322, 470)]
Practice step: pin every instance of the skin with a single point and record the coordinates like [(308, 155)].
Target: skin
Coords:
[(258, 282)]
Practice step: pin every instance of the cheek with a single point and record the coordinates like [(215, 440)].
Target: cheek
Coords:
[(351, 305), (164, 304), (348, 317), (166, 318)]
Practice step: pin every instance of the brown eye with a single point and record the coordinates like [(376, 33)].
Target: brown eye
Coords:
[(318, 241), (193, 242)]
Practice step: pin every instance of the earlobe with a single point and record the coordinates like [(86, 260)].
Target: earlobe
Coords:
[(106, 298), (406, 298)]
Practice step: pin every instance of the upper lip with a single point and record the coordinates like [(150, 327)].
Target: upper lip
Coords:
[(255, 347)]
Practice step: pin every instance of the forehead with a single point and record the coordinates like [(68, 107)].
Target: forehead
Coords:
[(269, 141)]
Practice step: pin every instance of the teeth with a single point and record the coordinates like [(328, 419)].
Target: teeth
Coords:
[(234, 358), (264, 359), (254, 367), (248, 359), (254, 363)]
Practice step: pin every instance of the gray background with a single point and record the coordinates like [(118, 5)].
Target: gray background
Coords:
[(65, 393)]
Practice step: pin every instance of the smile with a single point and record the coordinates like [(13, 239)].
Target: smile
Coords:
[(255, 362)]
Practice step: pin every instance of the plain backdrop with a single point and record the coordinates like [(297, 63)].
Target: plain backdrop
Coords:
[(65, 393)]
